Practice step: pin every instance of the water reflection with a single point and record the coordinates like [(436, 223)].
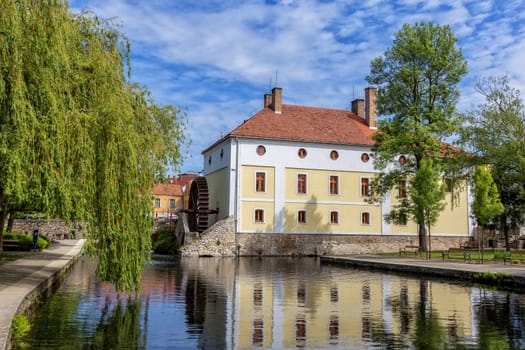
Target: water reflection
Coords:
[(276, 303)]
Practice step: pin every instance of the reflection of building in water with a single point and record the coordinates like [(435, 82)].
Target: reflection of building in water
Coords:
[(304, 311)]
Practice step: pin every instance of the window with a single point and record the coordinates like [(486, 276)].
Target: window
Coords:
[(365, 218), (334, 217), (171, 203), (334, 184), (301, 216), (334, 155), (365, 157), (259, 216), (258, 332), (301, 183), (402, 160), (261, 150), (448, 185), (402, 189), (333, 327), (260, 181), (403, 220), (157, 202), (365, 187), (302, 153)]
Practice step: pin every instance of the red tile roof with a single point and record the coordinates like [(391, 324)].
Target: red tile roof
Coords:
[(307, 124), (167, 190)]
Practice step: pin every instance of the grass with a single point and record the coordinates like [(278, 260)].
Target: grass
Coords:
[(488, 255)]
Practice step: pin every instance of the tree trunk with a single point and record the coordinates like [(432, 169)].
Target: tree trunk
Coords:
[(506, 233), (422, 238), (11, 220), (3, 217)]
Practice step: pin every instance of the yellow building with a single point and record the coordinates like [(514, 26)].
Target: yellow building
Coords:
[(167, 198), (307, 170)]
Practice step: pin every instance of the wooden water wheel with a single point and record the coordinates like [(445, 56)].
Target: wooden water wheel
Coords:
[(198, 205)]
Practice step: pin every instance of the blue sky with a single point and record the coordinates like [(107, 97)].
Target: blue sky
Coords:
[(217, 58)]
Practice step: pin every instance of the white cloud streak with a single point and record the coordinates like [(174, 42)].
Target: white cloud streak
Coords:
[(217, 57)]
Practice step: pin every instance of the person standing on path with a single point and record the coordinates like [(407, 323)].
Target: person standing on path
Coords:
[(35, 239)]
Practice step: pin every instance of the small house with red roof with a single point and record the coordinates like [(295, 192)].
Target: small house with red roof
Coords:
[(307, 170), (167, 197)]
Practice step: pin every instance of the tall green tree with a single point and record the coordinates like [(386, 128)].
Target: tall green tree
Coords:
[(487, 204), (417, 94), (78, 140), (495, 133), (427, 193)]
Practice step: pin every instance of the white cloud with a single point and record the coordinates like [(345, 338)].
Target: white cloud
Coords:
[(217, 57)]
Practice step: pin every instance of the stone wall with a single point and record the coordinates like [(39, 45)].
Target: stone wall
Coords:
[(55, 228), (220, 240), (326, 244)]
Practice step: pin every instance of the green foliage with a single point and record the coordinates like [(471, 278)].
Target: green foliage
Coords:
[(495, 133), (20, 327), (497, 278), (77, 139), (427, 193), (165, 243), (487, 204), (417, 94)]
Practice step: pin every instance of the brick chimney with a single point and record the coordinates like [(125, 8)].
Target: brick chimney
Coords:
[(277, 99), (358, 107), (370, 107), (267, 100)]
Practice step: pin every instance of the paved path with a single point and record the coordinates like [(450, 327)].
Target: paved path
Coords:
[(514, 274), (21, 277)]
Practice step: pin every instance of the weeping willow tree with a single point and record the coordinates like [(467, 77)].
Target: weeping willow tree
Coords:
[(77, 139)]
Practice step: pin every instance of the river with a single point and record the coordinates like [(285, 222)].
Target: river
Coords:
[(275, 303)]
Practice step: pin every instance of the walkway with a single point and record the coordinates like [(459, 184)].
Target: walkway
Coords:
[(514, 274), (33, 272)]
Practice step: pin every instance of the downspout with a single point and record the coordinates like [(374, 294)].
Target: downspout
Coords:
[(236, 199)]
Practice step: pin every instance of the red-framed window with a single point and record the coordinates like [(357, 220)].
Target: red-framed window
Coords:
[(402, 189), (334, 184), (301, 183), (260, 181), (365, 218), (334, 217), (259, 215), (365, 186), (301, 216)]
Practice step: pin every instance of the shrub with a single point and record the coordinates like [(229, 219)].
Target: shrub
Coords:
[(164, 242), (20, 327), (500, 254), (26, 241)]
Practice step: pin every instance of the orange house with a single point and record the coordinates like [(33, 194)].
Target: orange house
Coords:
[(167, 198)]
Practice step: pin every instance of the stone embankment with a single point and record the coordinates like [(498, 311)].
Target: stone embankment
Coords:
[(27, 281), (218, 240), (221, 240)]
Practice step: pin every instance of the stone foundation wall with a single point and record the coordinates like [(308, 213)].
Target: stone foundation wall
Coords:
[(326, 244), (58, 229), (220, 240)]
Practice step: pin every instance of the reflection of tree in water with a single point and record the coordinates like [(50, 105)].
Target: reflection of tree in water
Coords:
[(119, 326), (501, 321), (422, 318), (195, 304)]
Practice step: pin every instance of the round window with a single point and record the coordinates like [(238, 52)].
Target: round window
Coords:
[(402, 159), (261, 150), (365, 157), (302, 153), (334, 155)]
